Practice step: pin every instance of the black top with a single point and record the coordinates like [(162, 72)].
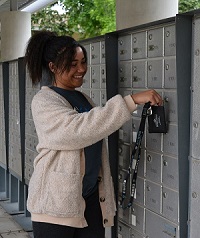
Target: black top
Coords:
[(92, 152)]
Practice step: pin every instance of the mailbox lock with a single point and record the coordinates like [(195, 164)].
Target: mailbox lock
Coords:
[(167, 67), (121, 42), (165, 195), (167, 34), (149, 158), (103, 55), (195, 124), (92, 48), (166, 99), (194, 195), (165, 163), (134, 39), (150, 37), (120, 70), (197, 52), (120, 150), (119, 176), (150, 67), (135, 79), (134, 68), (122, 52), (122, 79), (148, 188), (102, 46), (135, 50)]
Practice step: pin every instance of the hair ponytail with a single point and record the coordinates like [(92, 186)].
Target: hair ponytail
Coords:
[(34, 55)]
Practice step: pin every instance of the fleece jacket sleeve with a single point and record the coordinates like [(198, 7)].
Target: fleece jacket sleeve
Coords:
[(59, 127)]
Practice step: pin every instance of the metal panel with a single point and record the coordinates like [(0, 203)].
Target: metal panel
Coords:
[(170, 98), (154, 141), (153, 167), (30, 132), (155, 73), (194, 197), (170, 143), (103, 53), (95, 95), (135, 234), (194, 158), (170, 204), (103, 76), (124, 214), (137, 220), (87, 47), (139, 74), (170, 73), (139, 194), (2, 123), (95, 77), (153, 196), (155, 42), (87, 79), (15, 159), (157, 70), (156, 226), (195, 136), (123, 230), (95, 53), (170, 40), (124, 156), (139, 45), (125, 75), (125, 132), (103, 98), (170, 171), (124, 46)]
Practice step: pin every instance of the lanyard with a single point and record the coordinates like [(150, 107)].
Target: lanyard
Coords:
[(137, 148)]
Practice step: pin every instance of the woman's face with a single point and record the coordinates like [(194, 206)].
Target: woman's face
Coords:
[(74, 77)]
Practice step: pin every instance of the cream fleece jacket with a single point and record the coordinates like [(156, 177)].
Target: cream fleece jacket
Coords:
[(55, 188)]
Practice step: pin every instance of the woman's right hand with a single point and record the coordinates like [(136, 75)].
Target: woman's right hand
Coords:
[(147, 96)]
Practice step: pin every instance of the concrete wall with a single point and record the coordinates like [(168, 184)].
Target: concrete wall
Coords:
[(15, 32), (136, 12)]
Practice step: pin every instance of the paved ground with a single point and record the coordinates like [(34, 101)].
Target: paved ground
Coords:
[(9, 228)]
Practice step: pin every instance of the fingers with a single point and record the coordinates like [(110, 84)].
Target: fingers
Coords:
[(156, 99), (147, 96)]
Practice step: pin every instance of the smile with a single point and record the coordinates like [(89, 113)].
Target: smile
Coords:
[(78, 76)]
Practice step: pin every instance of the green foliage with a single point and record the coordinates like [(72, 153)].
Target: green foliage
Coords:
[(188, 5), (49, 19), (84, 18)]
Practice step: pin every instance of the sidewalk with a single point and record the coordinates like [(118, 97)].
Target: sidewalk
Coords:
[(9, 228)]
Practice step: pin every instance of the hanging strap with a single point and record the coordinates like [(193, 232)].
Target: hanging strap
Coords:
[(136, 148)]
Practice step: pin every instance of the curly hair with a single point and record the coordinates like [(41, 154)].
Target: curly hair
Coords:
[(45, 47)]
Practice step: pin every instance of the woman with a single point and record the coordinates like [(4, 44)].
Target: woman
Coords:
[(70, 191)]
